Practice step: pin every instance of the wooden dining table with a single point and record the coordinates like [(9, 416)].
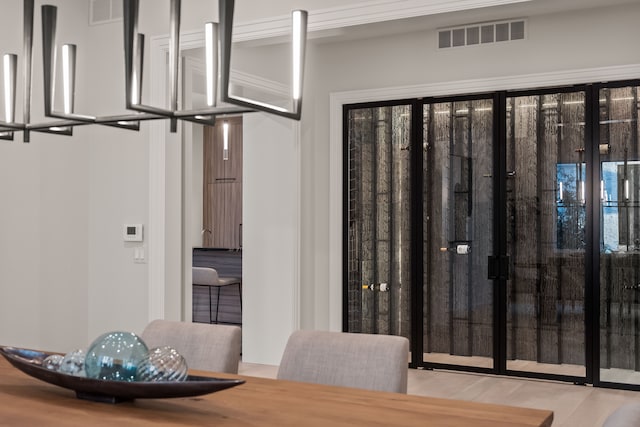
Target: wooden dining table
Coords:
[(27, 401)]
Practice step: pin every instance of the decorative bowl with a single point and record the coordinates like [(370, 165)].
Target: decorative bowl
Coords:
[(30, 362)]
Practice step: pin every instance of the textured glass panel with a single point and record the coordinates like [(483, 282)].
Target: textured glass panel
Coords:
[(378, 289), (546, 191), (457, 240), (620, 236)]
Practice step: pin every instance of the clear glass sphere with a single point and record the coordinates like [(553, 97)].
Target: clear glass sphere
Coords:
[(162, 364), (115, 356), (73, 363)]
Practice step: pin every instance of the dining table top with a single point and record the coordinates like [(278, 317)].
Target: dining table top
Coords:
[(27, 401)]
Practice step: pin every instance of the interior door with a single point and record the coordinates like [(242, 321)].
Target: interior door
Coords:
[(458, 218), (547, 189)]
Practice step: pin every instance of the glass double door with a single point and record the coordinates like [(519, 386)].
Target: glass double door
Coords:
[(499, 233), (504, 249)]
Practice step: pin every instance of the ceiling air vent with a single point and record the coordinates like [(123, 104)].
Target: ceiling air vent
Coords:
[(477, 34), (104, 11)]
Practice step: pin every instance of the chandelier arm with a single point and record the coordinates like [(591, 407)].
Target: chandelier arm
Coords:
[(42, 127), (174, 56), (127, 121), (217, 111), (134, 60), (130, 25), (11, 126), (225, 29), (49, 15), (49, 23), (27, 51), (6, 135), (299, 20)]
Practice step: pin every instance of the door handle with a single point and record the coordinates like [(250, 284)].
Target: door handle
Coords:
[(498, 267)]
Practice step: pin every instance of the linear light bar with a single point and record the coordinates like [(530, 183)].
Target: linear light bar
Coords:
[(69, 76), (626, 189), (10, 69), (211, 61), (298, 17), (225, 141)]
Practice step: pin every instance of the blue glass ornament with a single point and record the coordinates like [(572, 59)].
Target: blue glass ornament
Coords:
[(115, 356)]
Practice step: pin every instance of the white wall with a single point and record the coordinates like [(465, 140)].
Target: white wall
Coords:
[(197, 187), (66, 275), (44, 219), (270, 244)]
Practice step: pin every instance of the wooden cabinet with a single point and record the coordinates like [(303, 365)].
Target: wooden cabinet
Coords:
[(222, 216)]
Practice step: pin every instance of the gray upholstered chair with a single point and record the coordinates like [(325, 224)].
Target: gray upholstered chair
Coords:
[(204, 347), (207, 276), (628, 415), (374, 362)]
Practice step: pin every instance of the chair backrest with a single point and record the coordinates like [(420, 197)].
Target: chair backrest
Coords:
[(205, 347), (628, 415), (205, 276), (374, 362)]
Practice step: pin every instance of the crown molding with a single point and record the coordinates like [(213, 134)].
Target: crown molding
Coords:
[(365, 12)]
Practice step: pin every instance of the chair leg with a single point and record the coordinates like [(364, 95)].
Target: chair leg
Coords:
[(210, 307), (218, 304)]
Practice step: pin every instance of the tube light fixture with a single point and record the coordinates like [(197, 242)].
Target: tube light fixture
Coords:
[(225, 141), (626, 189), (10, 64), (560, 192), (298, 52), (583, 194), (601, 189), (68, 76), (211, 61)]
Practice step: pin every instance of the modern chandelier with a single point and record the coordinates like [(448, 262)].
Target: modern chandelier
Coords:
[(220, 100)]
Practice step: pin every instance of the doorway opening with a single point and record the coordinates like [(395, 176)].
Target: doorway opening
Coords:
[(217, 297)]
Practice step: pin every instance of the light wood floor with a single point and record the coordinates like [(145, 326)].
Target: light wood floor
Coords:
[(573, 405)]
